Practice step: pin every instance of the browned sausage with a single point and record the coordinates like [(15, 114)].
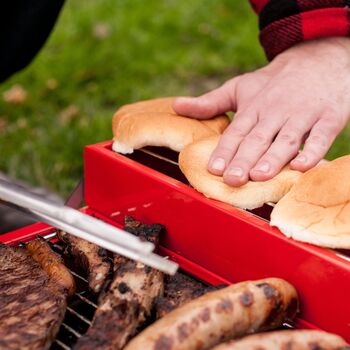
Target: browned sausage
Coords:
[(283, 340), (51, 263), (221, 315)]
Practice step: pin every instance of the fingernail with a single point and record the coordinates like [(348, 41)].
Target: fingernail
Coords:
[(235, 172), (301, 159), (218, 164), (263, 167)]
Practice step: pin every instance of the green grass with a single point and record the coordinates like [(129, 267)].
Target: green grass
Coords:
[(167, 47)]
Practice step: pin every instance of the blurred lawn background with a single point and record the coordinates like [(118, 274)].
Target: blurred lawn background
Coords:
[(105, 53)]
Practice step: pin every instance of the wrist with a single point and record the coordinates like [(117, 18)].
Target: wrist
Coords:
[(332, 48)]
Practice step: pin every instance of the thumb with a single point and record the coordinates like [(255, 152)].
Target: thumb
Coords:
[(215, 102)]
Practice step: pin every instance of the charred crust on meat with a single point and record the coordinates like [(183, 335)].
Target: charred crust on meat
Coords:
[(179, 289), (292, 308), (195, 322), (29, 294), (287, 346), (183, 331), (147, 269), (315, 346), (129, 266), (219, 286), (269, 291), (225, 305), (199, 344), (205, 315), (150, 233), (246, 298), (127, 303), (102, 252), (276, 313), (123, 288), (164, 342)]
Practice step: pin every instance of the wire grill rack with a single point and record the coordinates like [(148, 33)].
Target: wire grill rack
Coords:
[(81, 307)]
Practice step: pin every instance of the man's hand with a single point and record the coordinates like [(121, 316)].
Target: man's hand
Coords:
[(302, 96)]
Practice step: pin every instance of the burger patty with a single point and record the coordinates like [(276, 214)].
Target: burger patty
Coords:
[(32, 304)]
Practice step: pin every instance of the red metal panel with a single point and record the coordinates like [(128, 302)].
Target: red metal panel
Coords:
[(26, 233), (230, 243)]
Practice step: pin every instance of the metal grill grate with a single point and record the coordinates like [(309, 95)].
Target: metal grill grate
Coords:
[(82, 306), (80, 310)]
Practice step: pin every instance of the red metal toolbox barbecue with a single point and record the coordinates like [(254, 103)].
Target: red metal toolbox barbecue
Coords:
[(211, 240)]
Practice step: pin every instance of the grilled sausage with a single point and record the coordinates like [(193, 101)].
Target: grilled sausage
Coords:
[(291, 339), (52, 264), (221, 315)]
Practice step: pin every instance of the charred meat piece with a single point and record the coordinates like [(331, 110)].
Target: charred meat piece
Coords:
[(129, 299), (32, 301), (179, 289), (88, 256)]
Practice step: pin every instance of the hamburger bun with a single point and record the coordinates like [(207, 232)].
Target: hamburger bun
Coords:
[(155, 123), (193, 161), (317, 209)]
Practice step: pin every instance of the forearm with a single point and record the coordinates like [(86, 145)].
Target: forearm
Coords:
[(284, 23)]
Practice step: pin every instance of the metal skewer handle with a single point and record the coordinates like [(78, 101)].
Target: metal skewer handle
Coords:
[(17, 195), (150, 259)]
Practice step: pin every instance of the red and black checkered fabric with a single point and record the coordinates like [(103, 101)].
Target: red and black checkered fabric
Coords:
[(284, 23)]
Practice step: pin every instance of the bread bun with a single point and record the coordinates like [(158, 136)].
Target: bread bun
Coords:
[(193, 161), (317, 209), (154, 123)]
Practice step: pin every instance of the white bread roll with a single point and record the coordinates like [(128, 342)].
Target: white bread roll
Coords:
[(317, 209), (154, 123), (193, 162)]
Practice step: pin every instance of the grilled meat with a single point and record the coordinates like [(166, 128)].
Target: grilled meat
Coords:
[(52, 263), (284, 340), (179, 289), (32, 300), (129, 299), (90, 257), (221, 315)]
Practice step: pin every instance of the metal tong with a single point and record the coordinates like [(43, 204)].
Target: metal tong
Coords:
[(83, 226)]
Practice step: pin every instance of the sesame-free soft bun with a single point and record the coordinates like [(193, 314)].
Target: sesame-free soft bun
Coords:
[(193, 161), (155, 123), (317, 209)]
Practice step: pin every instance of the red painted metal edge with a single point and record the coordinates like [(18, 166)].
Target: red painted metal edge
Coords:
[(228, 242)]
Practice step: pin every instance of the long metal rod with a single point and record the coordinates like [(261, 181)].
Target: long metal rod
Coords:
[(85, 227), (15, 194), (149, 259)]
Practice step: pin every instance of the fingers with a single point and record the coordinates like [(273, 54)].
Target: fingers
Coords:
[(317, 144), (213, 103), (251, 149), (230, 141), (283, 149)]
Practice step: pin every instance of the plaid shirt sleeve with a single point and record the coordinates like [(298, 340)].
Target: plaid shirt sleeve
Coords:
[(284, 23)]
